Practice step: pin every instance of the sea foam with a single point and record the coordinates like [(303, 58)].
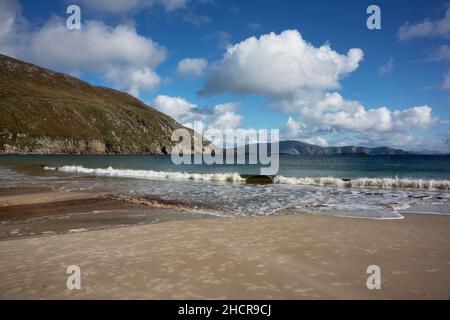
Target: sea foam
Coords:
[(377, 183), (369, 183), (150, 174)]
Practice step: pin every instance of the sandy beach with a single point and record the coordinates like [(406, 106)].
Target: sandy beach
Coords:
[(303, 256)]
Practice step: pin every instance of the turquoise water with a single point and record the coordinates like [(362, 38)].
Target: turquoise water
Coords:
[(383, 187)]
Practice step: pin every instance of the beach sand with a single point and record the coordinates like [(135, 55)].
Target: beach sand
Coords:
[(303, 256)]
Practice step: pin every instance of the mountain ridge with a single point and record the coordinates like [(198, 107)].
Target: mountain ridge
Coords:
[(293, 147), (47, 112)]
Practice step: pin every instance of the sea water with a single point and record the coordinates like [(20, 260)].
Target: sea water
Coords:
[(379, 187)]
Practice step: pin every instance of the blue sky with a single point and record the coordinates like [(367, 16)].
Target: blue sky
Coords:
[(404, 104)]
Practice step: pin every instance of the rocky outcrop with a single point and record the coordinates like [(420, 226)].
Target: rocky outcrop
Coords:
[(25, 144)]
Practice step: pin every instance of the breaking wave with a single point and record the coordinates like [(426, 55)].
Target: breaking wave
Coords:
[(150, 174), (375, 183)]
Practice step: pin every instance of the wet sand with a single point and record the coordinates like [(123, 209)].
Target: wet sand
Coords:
[(300, 256), (32, 211), (22, 190)]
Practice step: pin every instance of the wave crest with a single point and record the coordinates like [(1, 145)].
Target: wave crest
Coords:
[(150, 174), (375, 183)]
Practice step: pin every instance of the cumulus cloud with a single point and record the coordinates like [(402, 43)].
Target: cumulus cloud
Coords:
[(225, 117), (427, 28), (300, 80), (333, 112), (292, 129), (387, 68), (218, 119), (278, 64), (176, 107), (410, 141), (222, 116), (119, 54), (133, 79), (318, 141), (191, 67)]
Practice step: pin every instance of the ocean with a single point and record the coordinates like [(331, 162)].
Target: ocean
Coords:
[(357, 186)]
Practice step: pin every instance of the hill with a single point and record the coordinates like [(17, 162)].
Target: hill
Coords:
[(45, 112), (302, 148)]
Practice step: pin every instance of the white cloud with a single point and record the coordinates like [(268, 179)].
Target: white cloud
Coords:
[(387, 68), (218, 119), (119, 54), (333, 112), (279, 64), (176, 107), (100, 44), (132, 78), (335, 117), (224, 117), (292, 129), (410, 141), (299, 80), (427, 28), (318, 141), (191, 67)]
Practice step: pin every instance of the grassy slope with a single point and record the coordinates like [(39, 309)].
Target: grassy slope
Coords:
[(36, 102)]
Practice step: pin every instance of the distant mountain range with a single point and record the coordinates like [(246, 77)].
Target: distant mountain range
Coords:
[(302, 148)]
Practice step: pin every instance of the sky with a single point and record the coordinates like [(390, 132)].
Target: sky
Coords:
[(312, 69)]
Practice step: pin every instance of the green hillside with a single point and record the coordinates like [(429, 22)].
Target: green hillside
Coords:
[(42, 111)]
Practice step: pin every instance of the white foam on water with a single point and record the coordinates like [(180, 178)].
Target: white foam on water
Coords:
[(150, 174), (78, 230), (378, 183), (376, 198)]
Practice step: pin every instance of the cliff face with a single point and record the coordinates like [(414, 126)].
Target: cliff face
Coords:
[(45, 112)]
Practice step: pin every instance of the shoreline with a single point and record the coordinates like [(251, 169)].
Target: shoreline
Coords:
[(285, 256), (39, 211), (27, 212)]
